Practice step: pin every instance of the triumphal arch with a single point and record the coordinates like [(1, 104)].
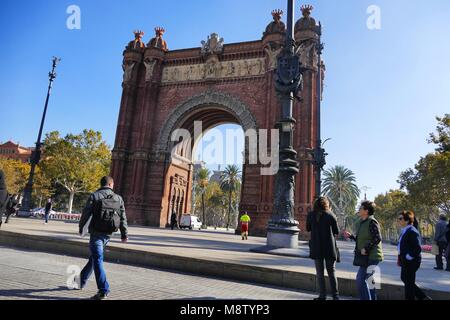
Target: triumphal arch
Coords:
[(216, 83)]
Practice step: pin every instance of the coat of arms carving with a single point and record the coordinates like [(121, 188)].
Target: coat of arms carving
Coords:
[(213, 45)]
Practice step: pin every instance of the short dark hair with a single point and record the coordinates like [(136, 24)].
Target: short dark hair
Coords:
[(408, 216), (369, 206), (106, 181)]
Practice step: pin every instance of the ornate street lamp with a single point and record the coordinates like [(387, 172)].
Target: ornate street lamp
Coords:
[(319, 153), (36, 156), (283, 229)]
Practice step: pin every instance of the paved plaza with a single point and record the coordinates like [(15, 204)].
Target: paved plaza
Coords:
[(41, 276)]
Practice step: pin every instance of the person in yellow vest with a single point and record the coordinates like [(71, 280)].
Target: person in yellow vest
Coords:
[(245, 220)]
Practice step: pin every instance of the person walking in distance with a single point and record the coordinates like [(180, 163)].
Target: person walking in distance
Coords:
[(173, 220), (245, 222), (105, 211), (48, 209), (3, 196), (409, 255), (447, 252), (322, 224), (369, 250), (441, 241)]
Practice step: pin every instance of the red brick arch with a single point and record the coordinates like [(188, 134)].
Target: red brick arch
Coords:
[(219, 83)]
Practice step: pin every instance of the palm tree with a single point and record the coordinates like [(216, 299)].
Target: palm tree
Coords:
[(339, 185), (202, 180), (230, 182)]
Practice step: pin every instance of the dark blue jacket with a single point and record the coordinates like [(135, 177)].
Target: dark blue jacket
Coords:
[(410, 245)]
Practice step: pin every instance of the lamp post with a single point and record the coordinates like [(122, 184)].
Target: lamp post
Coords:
[(36, 156), (319, 154), (283, 229)]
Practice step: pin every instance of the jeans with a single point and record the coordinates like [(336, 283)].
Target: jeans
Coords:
[(46, 216), (366, 291), (442, 250), (331, 270), (97, 245), (408, 276)]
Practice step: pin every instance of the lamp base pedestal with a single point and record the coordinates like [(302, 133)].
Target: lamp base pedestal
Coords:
[(283, 241)]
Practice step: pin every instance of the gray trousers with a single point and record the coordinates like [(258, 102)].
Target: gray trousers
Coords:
[(331, 270)]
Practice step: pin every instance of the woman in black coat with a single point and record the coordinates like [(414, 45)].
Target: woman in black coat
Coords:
[(323, 227), (410, 256)]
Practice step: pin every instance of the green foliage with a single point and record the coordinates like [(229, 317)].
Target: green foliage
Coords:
[(76, 162), (17, 174), (230, 182), (201, 184), (428, 183), (442, 137), (339, 185)]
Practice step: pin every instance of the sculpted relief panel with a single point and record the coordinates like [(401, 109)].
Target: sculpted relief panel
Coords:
[(214, 69)]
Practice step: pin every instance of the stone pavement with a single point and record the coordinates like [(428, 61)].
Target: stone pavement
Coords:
[(27, 275), (220, 254)]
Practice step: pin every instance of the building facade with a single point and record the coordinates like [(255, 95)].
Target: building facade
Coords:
[(11, 150)]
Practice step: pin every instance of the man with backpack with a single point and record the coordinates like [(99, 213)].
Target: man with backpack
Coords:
[(12, 206), (105, 214)]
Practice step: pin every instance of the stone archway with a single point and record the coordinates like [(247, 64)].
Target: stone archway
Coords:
[(205, 100), (212, 108), (164, 90)]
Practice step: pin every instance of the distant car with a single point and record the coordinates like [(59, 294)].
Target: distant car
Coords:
[(190, 222), (40, 213)]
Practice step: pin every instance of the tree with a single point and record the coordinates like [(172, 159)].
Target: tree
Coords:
[(442, 137), (202, 181), (429, 182), (216, 201), (230, 182), (339, 185), (76, 162), (390, 204), (17, 173)]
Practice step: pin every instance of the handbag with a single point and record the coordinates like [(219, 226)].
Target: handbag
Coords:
[(435, 249), (360, 260)]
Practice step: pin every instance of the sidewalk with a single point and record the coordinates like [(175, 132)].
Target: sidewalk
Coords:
[(217, 254)]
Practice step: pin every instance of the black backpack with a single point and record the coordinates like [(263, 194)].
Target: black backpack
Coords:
[(12, 205), (106, 214)]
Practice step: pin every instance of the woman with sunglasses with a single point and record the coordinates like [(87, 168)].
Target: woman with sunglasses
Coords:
[(410, 256)]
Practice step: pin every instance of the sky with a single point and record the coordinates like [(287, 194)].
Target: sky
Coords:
[(383, 87)]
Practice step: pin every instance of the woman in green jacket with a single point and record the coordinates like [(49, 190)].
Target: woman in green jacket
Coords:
[(368, 252)]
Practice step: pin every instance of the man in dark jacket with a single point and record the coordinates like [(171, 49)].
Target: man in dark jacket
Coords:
[(441, 241), (3, 195), (100, 238), (173, 220), (48, 209), (447, 252), (12, 205), (323, 227)]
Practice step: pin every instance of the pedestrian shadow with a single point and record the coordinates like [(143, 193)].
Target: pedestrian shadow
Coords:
[(205, 299), (34, 294)]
